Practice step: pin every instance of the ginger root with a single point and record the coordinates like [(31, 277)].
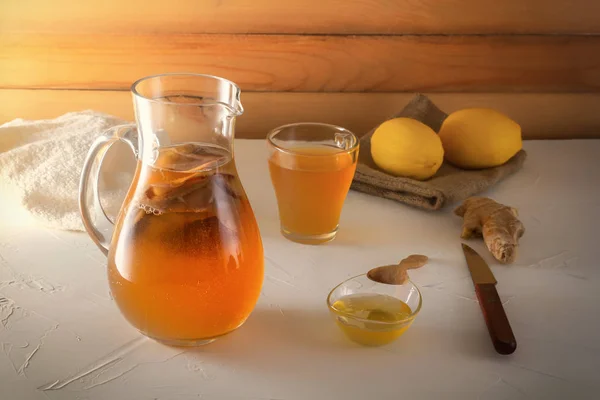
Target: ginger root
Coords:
[(499, 225)]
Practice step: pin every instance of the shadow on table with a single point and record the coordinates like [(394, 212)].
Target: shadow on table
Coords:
[(362, 234), (268, 328), (430, 341), (270, 341), (353, 233), (307, 346)]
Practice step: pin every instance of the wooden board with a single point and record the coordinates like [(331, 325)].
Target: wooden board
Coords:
[(302, 16), (307, 63), (540, 115)]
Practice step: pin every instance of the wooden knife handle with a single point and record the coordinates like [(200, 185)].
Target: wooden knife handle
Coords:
[(495, 318)]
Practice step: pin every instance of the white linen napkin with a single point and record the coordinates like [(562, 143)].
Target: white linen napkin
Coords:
[(41, 162)]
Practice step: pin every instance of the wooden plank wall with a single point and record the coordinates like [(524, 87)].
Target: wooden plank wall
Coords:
[(346, 62)]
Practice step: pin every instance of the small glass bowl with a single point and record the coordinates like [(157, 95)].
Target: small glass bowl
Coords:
[(379, 326)]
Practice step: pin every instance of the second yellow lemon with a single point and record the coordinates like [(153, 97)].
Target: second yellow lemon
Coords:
[(480, 138), (407, 147)]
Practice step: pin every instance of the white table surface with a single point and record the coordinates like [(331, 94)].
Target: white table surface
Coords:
[(62, 337)]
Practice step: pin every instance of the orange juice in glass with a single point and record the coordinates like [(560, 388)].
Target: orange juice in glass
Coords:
[(311, 167)]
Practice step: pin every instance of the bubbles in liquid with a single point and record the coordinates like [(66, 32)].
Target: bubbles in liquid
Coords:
[(189, 178), (189, 186), (149, 209)]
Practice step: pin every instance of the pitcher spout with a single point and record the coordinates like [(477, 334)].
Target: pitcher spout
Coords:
[(178, 108)]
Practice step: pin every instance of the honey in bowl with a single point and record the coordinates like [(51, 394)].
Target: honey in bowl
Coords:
[(372, 319), (376, 308)]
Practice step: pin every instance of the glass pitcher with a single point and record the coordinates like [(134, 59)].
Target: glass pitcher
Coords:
[(185, 258)]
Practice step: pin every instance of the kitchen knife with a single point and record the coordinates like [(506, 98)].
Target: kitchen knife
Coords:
[(485, 287)]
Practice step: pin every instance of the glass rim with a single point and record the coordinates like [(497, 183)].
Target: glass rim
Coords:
[(277, 130), (411, 317), (237, 109)]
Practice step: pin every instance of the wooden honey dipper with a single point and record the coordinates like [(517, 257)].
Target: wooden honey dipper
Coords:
[(397, 274)]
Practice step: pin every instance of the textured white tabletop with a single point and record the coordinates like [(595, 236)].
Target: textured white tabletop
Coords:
[(62, 337)]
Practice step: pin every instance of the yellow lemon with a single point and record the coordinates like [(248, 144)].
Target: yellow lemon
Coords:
[(407, 147), (480, 138)]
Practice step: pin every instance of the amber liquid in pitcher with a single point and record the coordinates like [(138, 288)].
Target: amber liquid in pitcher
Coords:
[(186, 262)]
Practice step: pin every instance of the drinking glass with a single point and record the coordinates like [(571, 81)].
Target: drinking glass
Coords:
[(311, 167)]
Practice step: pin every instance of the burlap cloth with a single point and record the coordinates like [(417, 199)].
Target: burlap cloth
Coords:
[(447, 186)]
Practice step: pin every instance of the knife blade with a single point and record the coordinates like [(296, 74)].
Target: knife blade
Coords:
[(485, 287)]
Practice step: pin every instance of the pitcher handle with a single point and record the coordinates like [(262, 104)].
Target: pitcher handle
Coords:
[(124, 133)]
